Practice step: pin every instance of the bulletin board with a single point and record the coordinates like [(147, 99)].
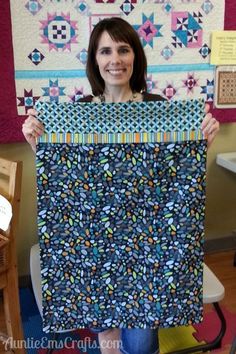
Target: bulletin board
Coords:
[(191, 36)]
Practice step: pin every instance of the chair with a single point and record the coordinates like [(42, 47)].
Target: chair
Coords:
[(10, 188), (213, 292)]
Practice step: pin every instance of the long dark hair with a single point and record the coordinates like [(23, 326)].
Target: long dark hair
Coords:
[(120, 31)]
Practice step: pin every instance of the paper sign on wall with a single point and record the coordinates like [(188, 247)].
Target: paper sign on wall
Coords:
[(5, 213), (223, 48)]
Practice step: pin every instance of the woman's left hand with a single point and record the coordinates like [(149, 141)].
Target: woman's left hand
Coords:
[(210, 126)]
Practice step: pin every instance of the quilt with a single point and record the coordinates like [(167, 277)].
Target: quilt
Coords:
[(121, 201), (31, 67), (50, 58), (10, 121)]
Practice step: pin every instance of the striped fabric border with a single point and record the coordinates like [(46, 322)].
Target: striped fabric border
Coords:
[(121, 138), (111, 123)]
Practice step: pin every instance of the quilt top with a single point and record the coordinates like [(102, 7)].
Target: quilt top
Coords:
[(121, 200)]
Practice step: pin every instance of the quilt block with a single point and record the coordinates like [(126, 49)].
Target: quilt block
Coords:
[(121, 200)]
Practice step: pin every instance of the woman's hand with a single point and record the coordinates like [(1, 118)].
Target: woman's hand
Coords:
[(210, 126), (32, 128)]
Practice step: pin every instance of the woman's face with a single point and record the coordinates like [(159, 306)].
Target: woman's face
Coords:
[(115, 61)]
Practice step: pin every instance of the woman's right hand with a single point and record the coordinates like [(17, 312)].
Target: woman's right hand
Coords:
[(32, 128)]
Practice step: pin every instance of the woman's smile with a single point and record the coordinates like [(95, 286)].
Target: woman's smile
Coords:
[(116, 72)]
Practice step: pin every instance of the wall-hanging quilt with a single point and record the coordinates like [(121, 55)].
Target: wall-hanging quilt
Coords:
[(10, 121), (175, 36), (121, 199)]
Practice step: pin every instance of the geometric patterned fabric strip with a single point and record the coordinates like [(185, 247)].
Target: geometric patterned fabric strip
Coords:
[(121, 122), (121, 229)]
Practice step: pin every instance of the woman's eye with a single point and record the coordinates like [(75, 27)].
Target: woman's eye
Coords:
[(105, 51), (124, 50), (108, 51)]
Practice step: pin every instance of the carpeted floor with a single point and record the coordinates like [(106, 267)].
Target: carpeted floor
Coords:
[(85, 342), (207, 330)]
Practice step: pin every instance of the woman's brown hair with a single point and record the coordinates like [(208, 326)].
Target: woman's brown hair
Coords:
[(120, 31)]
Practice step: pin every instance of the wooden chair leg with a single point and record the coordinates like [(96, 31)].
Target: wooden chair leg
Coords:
[(12, 312)]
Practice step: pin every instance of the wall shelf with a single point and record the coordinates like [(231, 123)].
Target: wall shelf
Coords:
[(227, 160)]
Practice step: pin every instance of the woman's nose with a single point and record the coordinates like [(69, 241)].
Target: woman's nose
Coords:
[(115, 58)]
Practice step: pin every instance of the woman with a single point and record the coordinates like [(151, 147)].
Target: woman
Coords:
[(116, 70)]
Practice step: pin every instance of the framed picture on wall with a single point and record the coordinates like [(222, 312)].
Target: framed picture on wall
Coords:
[(225, 87)]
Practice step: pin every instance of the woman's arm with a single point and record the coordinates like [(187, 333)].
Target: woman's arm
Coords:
[(210, 126), (32, 128)]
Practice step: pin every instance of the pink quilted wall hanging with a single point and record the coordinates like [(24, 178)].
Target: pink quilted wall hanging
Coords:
[(10, 121), (49, 62)]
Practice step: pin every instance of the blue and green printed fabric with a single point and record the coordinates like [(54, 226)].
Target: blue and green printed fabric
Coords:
[(121, 202)]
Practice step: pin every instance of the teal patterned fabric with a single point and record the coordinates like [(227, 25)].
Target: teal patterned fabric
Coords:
[(121, 218)]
